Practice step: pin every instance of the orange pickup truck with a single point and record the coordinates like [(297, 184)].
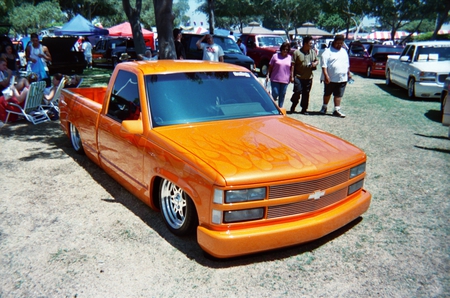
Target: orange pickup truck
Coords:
[(205, 144)]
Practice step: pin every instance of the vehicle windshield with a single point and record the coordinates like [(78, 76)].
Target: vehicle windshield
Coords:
[(270, 41), (228, 45), (377, 50), (433, 53), (206, 96)]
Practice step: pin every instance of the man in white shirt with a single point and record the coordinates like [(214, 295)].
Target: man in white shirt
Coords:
[(211, 51), (87, 50), (335, 74)]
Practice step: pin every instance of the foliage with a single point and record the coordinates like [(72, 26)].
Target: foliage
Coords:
[(429, 36), (331, 22), (29, 18), (179, 11), (419, 26), (91, 9)]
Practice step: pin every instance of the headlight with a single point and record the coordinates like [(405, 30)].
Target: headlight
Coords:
[(358, 170), (355, 186), (427, 74), (243, 215), (245, 195)]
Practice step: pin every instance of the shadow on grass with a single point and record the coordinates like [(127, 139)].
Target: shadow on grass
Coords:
[(60, 147), (434, 115), (401, 93)]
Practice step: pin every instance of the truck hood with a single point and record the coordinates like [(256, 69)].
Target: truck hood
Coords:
[(433, 66), (265, 149)]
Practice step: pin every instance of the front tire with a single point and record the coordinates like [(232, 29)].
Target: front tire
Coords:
[(388, 78), (264, 69), (411, 88), (178, 210), (75, 139)]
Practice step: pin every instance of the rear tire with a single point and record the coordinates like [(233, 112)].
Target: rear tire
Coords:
[(368, 71), (178, 210), (411, 88), (75, 139)]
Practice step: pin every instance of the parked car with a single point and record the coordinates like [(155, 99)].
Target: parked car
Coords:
[(261, 47), (370, 59), (421, 68), (232, 53), (109, 50), (205, 144), (64, 58)]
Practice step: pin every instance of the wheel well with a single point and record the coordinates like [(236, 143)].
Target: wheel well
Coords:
[(154, 192)]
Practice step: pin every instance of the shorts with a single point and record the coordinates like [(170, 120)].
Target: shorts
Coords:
[(88, 59), (337, 89)]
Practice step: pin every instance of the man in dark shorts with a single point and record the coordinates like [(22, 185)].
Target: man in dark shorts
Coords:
[(335, 74)]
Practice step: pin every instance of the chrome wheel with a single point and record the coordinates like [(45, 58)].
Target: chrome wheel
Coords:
[(388, 77), (264, 69), (411, 88), (75, 139), (177, 209)]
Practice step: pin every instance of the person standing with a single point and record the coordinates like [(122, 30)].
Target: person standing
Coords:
[(87, 51), (335, 74), (211, 51), (242, 46), (38, 56), (304, 61), (280, 73), (179, 48)]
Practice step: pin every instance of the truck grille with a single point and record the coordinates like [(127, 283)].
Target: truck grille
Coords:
[(442, 77), (303, 188)]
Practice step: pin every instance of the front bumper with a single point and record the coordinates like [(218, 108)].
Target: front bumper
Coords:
[(428, 89), (232, 243)]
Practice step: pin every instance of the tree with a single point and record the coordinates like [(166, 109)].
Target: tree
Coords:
[(133, 14), (179, 11), (28, 18), (164, 24)]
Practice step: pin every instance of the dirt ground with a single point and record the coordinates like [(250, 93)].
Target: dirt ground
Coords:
[(69, 230)]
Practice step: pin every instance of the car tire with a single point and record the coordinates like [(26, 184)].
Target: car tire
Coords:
[(115, 61), (177, 209), (443, 100), (388, 78), (411, 88), (368, 71), (75, 139), (264, 69)]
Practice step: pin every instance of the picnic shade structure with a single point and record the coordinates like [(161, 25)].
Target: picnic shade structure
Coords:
[(80, 26), (387, 35), (124, 29), (255, 28), (309, 29)]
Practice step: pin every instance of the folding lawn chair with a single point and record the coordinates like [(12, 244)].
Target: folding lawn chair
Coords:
[(33, 110), (54, 103)]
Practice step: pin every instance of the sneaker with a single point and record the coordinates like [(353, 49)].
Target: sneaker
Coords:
[(1, 124), (338, 113), (323, 111), (304, 112)]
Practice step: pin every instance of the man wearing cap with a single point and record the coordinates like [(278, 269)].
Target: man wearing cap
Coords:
[(179, 48)]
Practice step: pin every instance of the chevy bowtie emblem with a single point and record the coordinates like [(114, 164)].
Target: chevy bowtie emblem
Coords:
[(316, 195)]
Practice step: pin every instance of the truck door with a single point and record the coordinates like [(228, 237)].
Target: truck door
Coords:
[(119, 150)]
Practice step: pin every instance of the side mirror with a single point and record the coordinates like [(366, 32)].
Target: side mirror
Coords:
[(404, 58), (133, 126)]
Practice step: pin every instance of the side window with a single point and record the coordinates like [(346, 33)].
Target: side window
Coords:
[(357, 51), (124, 101)]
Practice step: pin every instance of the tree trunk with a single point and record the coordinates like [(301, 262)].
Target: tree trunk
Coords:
[(164, 24), (133, 15), (211, 16)]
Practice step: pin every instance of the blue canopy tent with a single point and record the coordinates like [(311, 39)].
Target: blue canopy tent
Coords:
[(80, 26)]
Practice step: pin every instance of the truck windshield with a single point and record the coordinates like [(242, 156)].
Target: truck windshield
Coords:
[(433, 53), (206, 96)]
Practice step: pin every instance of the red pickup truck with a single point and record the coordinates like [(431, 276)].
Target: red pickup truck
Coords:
[(204, 143)]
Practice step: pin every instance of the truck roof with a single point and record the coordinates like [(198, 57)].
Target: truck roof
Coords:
[(178, 66)]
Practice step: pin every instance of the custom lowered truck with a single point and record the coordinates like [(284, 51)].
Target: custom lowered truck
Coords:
[(205, 144)]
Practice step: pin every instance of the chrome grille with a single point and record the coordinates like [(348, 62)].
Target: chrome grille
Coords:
[(306, 206), (307, 187)]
